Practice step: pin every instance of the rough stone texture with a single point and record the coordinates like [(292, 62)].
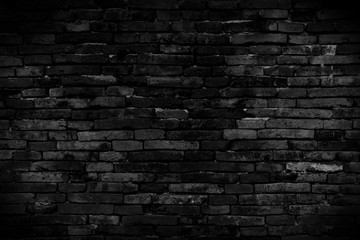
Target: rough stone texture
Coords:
[(179, 119)]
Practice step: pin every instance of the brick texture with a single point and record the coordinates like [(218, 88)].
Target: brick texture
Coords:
[(179, 119)]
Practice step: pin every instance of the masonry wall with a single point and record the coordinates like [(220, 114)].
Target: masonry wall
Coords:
[(179, 119)]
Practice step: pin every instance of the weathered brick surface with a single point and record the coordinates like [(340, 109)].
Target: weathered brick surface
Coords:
[(179, 119)]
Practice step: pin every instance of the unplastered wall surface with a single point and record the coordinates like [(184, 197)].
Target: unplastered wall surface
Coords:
[(179, 119)]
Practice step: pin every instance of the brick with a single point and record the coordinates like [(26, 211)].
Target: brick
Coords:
[(112, 187), (249, 60), (282, 187), (80, 230), (335, 92), (337, 38), (41, 27), (95, 197), (290, 27), (153, 4), (209, 177), (60, 219), (243, 156), (302, 209), (187, 82), (254, 177), (269, 167), (238, 188), (179, 199), (156, 155), (78, 37), (68, 187), (40, 38), (214, 145), (55, 166), (168, 15), (265, 49), (99, 167), (128, 210), (329, 135), (280, 220), (209, 166), (324, 103), (149, 220), (8, 61), (86, 208), (195, 188), (142, 102), (125, 177), (298, 39), (10, 39), (143, 26), (76, 145), (258, 144), (77, 27), (318, 167), (174, 49), (176, 145), (137, 199), (59, 103), (288, 230), (104, 135), (283, 4), (122, 123), (46, 49), (76, 58), (168, 177), (222, 199), (149, 134), (236, 220), (297, 60), (29, 71), (310, 198), (349, 59), (243, 92), (215, 210), (243, 38), (294, 123), (285, 133), (104, 220), (267, 199), (212, 39), (292, 92), (257, 210), (171, 113), (28, 187), (119, 91), (165, 59), (194, 135), (274, 13), (41, 177), (337, 124), (158, 70), (72, 70), (252, 123), (69, 155), (351, 167), (89, 80), (127, 145), (12, 144), (340, 81), (232, 134)]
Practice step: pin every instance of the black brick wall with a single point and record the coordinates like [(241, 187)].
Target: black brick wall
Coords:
[(179, 119)]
